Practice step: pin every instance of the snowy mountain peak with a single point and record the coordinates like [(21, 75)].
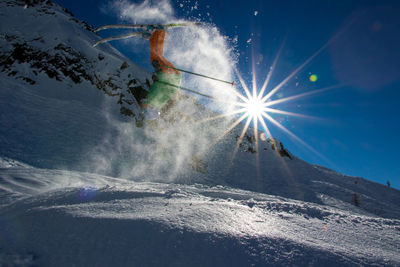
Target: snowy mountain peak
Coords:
[(51, 42), (278, 146)]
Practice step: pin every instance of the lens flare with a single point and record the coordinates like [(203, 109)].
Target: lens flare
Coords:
[(87, 193), (263, 136), (313, 78)]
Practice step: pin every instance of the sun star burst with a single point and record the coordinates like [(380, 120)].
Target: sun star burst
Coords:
[(255, 107)]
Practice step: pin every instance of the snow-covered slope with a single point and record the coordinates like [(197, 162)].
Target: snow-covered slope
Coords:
[(54, 83), (102, 221), (68, 105), (176, 195)]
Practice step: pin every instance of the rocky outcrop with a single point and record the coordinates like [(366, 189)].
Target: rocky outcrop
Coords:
[(26, 54)]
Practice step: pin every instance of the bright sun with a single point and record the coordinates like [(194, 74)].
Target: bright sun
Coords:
[(254, 107)]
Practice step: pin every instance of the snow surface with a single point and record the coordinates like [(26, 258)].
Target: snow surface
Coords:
[(80, 184), (87, 219)]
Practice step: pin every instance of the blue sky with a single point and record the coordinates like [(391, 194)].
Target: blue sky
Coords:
[(359, 127)]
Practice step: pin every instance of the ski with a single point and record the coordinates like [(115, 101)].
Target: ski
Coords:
[(119, 37), (146, 26)]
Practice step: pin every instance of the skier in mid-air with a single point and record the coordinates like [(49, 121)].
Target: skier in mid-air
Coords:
[(167, 81), (163, 92), (167, 78)]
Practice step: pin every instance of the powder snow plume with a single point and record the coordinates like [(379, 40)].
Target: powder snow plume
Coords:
[(145, 12), (167, 151)]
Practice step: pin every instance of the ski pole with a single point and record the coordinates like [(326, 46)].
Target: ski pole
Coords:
[(187, 89), (201, 75), (198, 93)]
